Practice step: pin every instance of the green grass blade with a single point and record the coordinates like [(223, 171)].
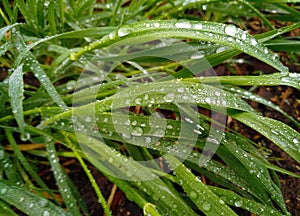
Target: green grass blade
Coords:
[(6, 210), (102, 156), (6, 29), (227, 35), (284, 45), (287, 79), (282, 135), (28, 202), (236, 200), (258, 172), (25, 162), (199, 193), (254, 97), (16, 89), (61, 179)]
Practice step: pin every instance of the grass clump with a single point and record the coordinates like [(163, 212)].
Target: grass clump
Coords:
[(129, 88)]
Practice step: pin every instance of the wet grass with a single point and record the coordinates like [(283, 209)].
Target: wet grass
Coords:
[(116, 83)]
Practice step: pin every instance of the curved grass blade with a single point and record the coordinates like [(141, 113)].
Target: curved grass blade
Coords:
[(233, 199), (38, 71), (25, 162), (254, 97), (6, 210), (282, 135), (28, 202), (287, 79), (202, 94), (199, 193), (61, 179), (6, 29), (258, 173), (16, 91), (227, 35), (101, 155)]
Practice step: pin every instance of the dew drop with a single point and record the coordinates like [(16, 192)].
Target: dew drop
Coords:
[(193, 194), (169, 97), (238, 203), (198, 26), (156, 25), (244, 36), (206, 206), (266, 51), (3, 190), (180, 89), (253, 41), (230, 30), (221, 49), (25, 136), (134, 122), (197, 55), (148, 140), (189, 120), (46, 213), (158, 133), (207, 100), (185, 25), (293, 75), (137, 131), (295, 141), (124, 31), (169, 127)]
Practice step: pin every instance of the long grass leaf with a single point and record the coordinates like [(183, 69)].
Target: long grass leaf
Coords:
[(227, 35), (282, 135), (61, 179), (198, 192), (28, 202), (236, 200), (16, 93)]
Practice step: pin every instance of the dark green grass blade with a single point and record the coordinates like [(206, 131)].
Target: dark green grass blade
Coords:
[(282, 135), (28, 202), (16, 89), (227, 35), (198, 192), (61, 179)]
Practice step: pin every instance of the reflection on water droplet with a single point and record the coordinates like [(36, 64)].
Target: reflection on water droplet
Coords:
[(123, 31), (295, 141), (25, 136), (137, 131), (3, 190), (148, 140), (230, 30), (198, 26), (169, 97), (197, 55), (193, 194), (183, 25), (46, 213), (180, 89), (238, 203), (156, 25), (206, 206), (253, 42), (244, 36)]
